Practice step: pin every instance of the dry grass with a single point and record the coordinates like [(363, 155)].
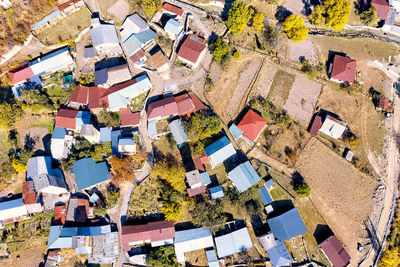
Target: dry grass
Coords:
[(341, 193), (29, 257), (66, 28), (166, 145), (280, 88)]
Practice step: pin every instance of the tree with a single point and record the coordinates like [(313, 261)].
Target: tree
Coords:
[(209, 214), (101, 151), (237, 55), (9, 115), (317, 16), (162, 256), (172, 211), (170, 171), (369, 17), (336, 13), (87, 79), (391, 257), (18, 166), (109, 119), (202, 126), (220, 50), (150, 7), (295, 28), (258, 21), (122, 170), (302, 189), (273, 35), (81, 149), (238, 17)]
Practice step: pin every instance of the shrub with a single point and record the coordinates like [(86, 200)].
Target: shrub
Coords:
[(307, 68), (18, 166), (369, 17), (109, 119), (237, 55), (162, 256), (220, 50), (302, 189)]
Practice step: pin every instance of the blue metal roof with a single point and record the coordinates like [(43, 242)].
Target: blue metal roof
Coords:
[(205, 178), (173, 26), (46, 19), (137, 40), (212, 258), (126, 141), (269, 183), (192, 234), (265, 196), (105, 134), (287, 225), (178, 132), (151, 128), (216, 192), (235, 131), (59, 133), (89, 173), (234, 242), (220, 150), (115, 135), (11, 204), (279, 255), (244, 176)]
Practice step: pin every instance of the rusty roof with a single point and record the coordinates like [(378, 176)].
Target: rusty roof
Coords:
[(192, 47), (128, 118), (28, 193), (66, 118), (316, 125), (173, 9)]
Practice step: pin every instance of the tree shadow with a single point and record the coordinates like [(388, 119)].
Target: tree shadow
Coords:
[(282, 13), (322, 232)]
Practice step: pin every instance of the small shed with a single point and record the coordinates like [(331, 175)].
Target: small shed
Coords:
[(235, 131), (269, 184), (178, 132), (205, 178), (105, 134), (216, 192), (266, 198), (279, 255), (348, 155), (127, 145), (193, 179)]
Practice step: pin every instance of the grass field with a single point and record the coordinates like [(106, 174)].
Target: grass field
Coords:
[(280, 88), (66, 28)]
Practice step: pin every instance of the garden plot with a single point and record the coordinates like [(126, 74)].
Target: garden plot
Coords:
[(265, 79), (280, 88), (302, 99)]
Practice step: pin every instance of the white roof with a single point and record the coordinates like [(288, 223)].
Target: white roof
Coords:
[(333, 127), (190, 240), (52, 62), (133, 24), (104, 34), (12, 208)]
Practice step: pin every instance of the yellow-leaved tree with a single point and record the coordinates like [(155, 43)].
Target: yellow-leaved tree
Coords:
[(317, 16), (258, 21), (170, 171), (294, 28), (333, 13), (172, 211), (390, 258)]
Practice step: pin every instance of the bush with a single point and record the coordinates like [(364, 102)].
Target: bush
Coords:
[(123, 170), (109, 119), (237, 55), (99, 211), (112, 197), (369, 17), (18, 166), (202, 126), (170, 171), (101, 151), (302, 189), (295, 28), (238, 17), (220, 50), (9, 114), (87, 79), (307, 68), (150, 7), (209, 214), (162, 256)]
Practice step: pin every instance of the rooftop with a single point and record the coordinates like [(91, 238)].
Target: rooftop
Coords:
[(244, 176), (334, 250), (252, 125), (88, 173), (192, 47), (234, 242), (287, 225), (344, 69)]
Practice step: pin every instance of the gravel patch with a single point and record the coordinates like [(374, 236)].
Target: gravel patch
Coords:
[(119, 10), (304, 49), (302, 99)]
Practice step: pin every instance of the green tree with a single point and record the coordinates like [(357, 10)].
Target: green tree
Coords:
[(258, 21), (162, 256), (109, 119), (317, 16), (295, 28), (9, 114), (101, 151), (209, 214), (87, 79), (170, 171), (336, 13), (237, 55), (202, 126), (81, 149), (302, 189), (220, 50), (172, 211), (369, 17), (307, 68), (238, 17)]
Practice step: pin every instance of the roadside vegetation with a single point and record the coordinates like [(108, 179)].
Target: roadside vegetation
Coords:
[(391, 254)]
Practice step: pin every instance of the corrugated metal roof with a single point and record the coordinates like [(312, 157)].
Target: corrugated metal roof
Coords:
[(178, 132), (287, 225), (126, 141), (39, 169), (234, 242), (216, 192), (104, 34), (335, 252), (105, 134), (190, 240), (137, 40), (265, 196), (115, 135), (173, 26), (205, 178), (151, 128), (90, 52), (46, 19), (219, 151), (244, 176), (51, 62), (269, 183), (193, 177), (89, 173), (11, 204), (59, 133), (235, 131), (133, 24), (279, 255)]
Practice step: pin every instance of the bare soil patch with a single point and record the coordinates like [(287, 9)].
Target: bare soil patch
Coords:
[(302, 99), (264, 80), (280, 88), (294, 6), (29, 257), (35, 137), (342, 194), (303, 50), (119, 10)]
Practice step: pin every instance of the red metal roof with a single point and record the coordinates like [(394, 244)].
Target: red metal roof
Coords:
[(128, 118), (137, 56), (334, 250), (154, 231), (344, 69), (20, 73), (196, 191), (198, 105), (383, 102), (59, 214), (184, 103), (66, 118), (316, 125), (80, 95), (252, 124), (67, 4), (198, 164), (162, 108), (382, 8), (174, 9), (192, 47), (158, 59), (28, 193)]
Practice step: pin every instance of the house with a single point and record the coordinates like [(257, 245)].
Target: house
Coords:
[(267, 241), (205, 178), (129, 119), (46, 179), (244, 176), (60, 213), (110, 76), (90, 133), (212, 259), (384, 105), (342, 70), (178, 132), (72, 119), (192, 50), (265, 196), (287, 225), (235, 131), (188, 103), (194, 181), (46, 21), (126, 145), (12, 211), (333, 127), (158, 61), (136, 35), (71, 6), (79, 210), (172, 9), (216, 192), (252, 125), (335, 252), (316, 125), (279, 255), (98, 242), (104, 38), (60, 143), (233, 243), (105, 134), (219, 151), (174, 29), (156, 233), (191, 240), (139, 58), (382, 8), (348, 154), (30, 198), (88, 173), (53, 258)]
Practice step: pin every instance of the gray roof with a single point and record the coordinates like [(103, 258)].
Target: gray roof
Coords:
[(88, 130), (151, 128), (233, 242), (105, 134), (267, 241), (235, 131), (269, 183), (205, 178), (178, 132), (220, 150), (265, 196), (59, 133), (244, 176), (279, 255), (173, 26), (137, 40), (191, 235), (42, 174), (287, 225), (212, 258), (104, 34), (133, 24), (90, 52)]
